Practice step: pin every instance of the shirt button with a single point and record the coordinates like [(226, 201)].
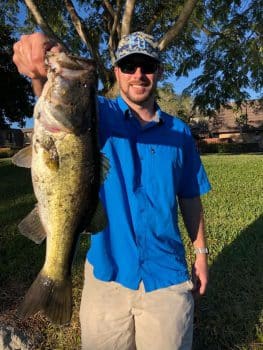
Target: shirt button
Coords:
[(152, 150)]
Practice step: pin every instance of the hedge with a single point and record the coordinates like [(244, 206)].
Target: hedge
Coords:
[(228, 147), (7, 152)]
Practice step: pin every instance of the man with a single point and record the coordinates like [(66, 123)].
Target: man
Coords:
[(137, 293)]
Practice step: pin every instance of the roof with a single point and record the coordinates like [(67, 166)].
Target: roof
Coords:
[(24, 130), (225, 119)]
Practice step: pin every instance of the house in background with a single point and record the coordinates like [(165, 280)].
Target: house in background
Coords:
[(232, 124), (28, 132), (239, 124), (11, 138)]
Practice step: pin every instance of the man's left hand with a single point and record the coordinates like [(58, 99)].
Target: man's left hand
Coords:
[(200, 275)]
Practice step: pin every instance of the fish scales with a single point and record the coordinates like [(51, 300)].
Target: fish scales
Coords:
[(66, 175), (57, 205)]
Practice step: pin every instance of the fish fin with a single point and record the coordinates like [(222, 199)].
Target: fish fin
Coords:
[(32, 228), (54, 298), (23, 158), (99, 220), (105, 167)]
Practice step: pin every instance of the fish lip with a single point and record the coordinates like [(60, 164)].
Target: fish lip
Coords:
[(55, 129)]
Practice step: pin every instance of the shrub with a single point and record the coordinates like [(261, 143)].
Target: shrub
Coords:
[(204, 147), (7, 152), (228, 147), (238, 147)]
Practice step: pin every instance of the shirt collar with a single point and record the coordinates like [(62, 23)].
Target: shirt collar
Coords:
[(127, 113)]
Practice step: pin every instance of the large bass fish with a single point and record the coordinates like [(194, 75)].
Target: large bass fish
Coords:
[(67, 171)]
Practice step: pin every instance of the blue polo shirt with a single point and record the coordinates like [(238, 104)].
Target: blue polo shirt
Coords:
[(149, 167)]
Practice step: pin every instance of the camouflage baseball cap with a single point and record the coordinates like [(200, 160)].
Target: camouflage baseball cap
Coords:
[(137, 42)]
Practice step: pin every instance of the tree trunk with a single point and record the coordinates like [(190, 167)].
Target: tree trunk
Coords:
[(127, 17)]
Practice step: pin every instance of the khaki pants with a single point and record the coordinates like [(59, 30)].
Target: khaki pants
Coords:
[(117, 318)]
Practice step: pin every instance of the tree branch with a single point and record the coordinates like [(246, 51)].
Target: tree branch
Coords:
[(204, 29), (155, 18), (78, 24), (41, 22), (127, 17), (108, 6), (113, 40), (179, 25), (113, 14), (83, 33)]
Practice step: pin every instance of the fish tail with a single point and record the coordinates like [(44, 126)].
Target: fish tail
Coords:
[(52, 297)]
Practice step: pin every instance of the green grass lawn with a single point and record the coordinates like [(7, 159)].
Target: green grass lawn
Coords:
[(229, 316)]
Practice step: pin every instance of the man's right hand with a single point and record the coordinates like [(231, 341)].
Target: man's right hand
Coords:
[(29, 57)]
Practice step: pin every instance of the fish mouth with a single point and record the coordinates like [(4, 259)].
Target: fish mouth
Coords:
[(69, 66), (46, 118), (54, 129), (66, 100), (54, 126)]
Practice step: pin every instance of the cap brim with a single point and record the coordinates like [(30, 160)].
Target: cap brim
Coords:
[(134, 53)]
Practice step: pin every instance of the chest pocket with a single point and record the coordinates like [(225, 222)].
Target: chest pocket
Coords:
[(165, 170)]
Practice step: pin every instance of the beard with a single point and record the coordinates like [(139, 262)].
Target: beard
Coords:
[(138, 92)]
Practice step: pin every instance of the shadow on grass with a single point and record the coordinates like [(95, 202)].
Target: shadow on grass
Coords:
[(228, 317)]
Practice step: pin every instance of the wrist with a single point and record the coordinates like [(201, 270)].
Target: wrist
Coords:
[(38, 84), (201, 250)]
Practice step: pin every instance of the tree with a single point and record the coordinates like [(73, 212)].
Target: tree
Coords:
[(171, 103), (16, 98), (223, 38)]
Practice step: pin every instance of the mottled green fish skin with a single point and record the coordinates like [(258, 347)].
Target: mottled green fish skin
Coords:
[(65, 175)]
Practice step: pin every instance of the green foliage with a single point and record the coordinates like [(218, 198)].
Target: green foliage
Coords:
[(16, 98), (232, 58), (176, 105), (6, 152), (242, 120), (8, 12), (56, 15), (222, 38)]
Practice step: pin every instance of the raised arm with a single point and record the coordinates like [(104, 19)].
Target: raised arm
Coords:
[(29, 57)]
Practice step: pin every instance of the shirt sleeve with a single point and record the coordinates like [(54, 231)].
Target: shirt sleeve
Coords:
[(194, 181)]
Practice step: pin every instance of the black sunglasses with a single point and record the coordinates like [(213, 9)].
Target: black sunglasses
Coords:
[(146, 67)]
